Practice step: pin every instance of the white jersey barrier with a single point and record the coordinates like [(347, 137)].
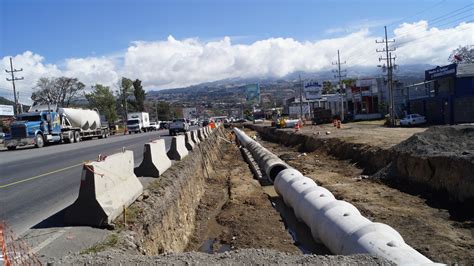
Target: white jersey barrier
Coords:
[(338, 224), (188, 141), (194, 137), (178, 149), (201, 134), (107, 187), (155, 160)]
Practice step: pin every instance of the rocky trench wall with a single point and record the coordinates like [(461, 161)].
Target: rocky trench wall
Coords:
[(166, 219)]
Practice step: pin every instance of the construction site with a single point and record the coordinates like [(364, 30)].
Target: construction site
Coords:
[(362, 193)]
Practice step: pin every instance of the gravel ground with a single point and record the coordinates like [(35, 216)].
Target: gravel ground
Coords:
[(239, 257)]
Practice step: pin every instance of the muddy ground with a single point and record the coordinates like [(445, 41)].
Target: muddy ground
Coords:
[(428, 229), (235, 213)]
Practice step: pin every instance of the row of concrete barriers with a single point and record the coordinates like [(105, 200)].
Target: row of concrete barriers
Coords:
[(109, 185)]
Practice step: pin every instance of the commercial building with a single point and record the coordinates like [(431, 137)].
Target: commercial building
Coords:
[(446, 96)]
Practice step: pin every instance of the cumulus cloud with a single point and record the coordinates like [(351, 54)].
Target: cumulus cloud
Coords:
[(175, 63)]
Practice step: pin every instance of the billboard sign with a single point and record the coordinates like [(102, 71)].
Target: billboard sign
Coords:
[(312, 90), (440, 72), (253, 94), (6, 110)]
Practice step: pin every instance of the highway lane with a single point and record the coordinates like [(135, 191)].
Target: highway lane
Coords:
[(37, 183)]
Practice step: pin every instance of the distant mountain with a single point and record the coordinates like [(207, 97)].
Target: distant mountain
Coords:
[(406, 74)]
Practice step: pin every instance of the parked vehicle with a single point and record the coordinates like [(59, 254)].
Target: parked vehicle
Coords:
[(155, 125), (165, 124), (138, 122), (178, 125), (412, 119), (42, 125)]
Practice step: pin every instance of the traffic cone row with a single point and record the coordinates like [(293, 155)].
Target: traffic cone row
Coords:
[(336, 123)]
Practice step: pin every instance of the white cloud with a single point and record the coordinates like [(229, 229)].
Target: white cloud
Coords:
[(174, 63)]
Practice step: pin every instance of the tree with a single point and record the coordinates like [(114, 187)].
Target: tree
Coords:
[(103, 99), (462, 55), (58, 91), (125, 85), (139, 95), (327, 87), (164, 111)]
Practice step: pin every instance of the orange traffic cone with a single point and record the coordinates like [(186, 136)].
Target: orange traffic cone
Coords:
[(338, 123), (334, 123), (297, 127)]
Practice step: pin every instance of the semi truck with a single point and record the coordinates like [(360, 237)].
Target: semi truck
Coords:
[(49, 124), (138, 122)]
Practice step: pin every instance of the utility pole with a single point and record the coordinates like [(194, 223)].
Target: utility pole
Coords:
[(388, 58), (301, 99), (12, 71), (340, 76)]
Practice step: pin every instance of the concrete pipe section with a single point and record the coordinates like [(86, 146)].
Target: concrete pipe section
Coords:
[(338, 224)]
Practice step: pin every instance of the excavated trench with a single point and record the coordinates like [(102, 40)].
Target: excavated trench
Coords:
[(210, 202), (418, 166)]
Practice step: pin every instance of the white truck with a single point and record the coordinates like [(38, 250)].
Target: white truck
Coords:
[(138, 122), (178, 125)]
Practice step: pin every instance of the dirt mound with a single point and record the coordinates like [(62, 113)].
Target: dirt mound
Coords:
[(441, 158), (441, 140)]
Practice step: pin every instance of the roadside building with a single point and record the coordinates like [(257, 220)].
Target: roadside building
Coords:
[(446, 96)]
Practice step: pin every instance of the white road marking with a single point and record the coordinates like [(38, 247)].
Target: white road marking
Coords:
[(49, 240)]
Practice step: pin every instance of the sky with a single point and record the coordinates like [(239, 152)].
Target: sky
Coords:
[(169, 44)]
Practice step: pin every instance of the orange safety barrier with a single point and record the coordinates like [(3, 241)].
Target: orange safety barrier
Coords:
[(14, 251)]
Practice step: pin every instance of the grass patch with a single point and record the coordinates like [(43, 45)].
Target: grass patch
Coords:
[(110, 241)]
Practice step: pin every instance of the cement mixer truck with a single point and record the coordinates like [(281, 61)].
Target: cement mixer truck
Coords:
[(49, 124)]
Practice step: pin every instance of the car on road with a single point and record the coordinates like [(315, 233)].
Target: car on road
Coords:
[(178, 125), (155, 126), (412, 119)]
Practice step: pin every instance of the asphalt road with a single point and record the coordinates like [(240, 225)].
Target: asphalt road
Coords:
[(37, 183)]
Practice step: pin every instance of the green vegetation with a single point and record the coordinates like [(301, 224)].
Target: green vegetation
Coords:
[(110, 241), (103, 99)]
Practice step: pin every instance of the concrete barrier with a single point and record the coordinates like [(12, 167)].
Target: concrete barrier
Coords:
[(338, 224), (201, 134), (107, 187), (188, 141), (155, 161), (178, 148), (194, 136)]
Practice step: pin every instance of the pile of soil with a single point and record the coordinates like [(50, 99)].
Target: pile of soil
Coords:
[(440, 159), (452, 141)]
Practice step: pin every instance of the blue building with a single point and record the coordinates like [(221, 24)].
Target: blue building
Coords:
[(446, 96)]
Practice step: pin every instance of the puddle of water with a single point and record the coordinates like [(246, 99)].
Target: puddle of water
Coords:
[(299, 231), (208, 247)]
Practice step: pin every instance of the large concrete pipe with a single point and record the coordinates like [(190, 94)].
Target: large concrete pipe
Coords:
[(269, 162), (338, 224)]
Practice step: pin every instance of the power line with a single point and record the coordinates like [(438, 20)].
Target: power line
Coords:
[(12, 71), (416, 14), (433, 22)]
